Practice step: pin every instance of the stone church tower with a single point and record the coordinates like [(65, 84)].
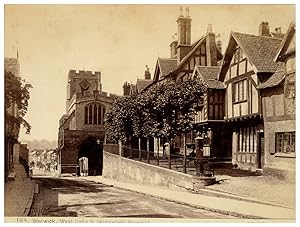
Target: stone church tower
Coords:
[(81, 129)]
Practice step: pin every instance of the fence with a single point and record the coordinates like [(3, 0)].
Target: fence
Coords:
[(189, 165)]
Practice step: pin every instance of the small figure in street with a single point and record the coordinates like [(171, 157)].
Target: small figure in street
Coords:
[(30, 172)]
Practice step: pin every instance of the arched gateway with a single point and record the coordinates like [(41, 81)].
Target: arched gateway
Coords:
[(92, 148), (81, 129)]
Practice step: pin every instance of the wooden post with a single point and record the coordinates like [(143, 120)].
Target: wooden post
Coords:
[(140, 152), (184, 154), (120, 148), (148, 151), (168, 151)]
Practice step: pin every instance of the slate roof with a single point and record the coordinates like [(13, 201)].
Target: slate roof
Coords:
[(210, 75), (275, 79), (260, 50), (166, 65), (141, 84)]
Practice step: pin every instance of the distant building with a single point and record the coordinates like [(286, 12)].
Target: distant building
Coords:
[(81, 129), (130, 89), (11, 68)]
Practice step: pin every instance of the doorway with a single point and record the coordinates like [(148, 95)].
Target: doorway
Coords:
[(260, 150), (92, 149)]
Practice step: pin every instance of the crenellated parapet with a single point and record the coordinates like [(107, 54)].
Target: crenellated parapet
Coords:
[(82, 73)]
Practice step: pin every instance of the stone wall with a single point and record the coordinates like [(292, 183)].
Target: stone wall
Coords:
[(127, 170), (71, 145), (270, 129), (23, 152)]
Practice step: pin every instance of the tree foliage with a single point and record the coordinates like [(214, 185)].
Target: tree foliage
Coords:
[(163, 110), (16, 95)]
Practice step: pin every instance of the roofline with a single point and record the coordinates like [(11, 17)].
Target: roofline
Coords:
[(262, 88), (189, 54), (243, 49), (289, 34)]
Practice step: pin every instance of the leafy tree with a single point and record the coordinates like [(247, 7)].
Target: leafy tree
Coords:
[(16, 93), (119, 121), (163, 110)]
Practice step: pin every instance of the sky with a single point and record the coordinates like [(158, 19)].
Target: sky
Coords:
[(118, 40)]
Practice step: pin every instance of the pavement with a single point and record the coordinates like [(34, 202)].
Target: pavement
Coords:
[(265, 189), (221, 202), (18, 193)]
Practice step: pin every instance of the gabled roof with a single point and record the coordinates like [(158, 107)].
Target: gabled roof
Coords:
[(141, 84), (287, 39), (210, 76), (259, 50), (194, 47), (166, 65), (275, 79)]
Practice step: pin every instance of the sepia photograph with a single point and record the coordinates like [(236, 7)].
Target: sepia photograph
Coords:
[(149, 113)]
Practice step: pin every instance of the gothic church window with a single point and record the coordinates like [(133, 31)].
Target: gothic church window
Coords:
[(94, 114)]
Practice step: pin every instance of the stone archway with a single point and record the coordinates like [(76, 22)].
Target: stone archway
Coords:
[(92, 148)]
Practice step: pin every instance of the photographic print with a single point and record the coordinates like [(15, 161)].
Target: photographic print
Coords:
[(149, 113)]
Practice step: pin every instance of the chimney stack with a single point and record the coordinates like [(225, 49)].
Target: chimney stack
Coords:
[(209, 28), (184, 34), (173, 46), (126, 89), (278, 30), (219, 42), (147, 73), (264, 29)]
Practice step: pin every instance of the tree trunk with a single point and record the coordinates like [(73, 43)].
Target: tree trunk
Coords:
[(158, 151), (130, 148), (148, 150), (184, 153), (140, 152)]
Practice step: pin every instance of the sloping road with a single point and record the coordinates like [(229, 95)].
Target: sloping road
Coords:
[(80, 198)]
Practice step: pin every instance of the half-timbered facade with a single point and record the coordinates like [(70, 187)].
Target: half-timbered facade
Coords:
[(278, 107), (248, 61), (185, 59), (210, 112)]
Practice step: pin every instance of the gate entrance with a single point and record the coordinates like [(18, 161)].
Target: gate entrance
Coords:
[(92, 149)]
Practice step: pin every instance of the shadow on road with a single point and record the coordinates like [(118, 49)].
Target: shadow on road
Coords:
[(46, 203)]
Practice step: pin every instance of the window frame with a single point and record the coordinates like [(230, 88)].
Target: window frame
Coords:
[(237, 85), (279, 146)]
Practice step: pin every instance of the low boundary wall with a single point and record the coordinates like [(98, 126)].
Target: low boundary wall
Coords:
[(127, 170)]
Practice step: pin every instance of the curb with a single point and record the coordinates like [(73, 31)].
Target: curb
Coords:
[(234, 214), (222, 193), (239, 215), (30, 201)]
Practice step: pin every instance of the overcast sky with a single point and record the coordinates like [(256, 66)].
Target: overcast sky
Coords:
[(118, 40)]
